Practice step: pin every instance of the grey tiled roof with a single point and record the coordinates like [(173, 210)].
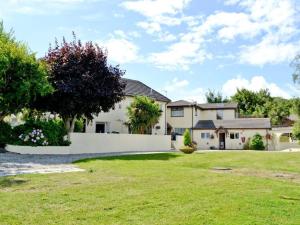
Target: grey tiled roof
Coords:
[(257, 123), (204, 106), (135, 88), (218, 106), (180, 103)]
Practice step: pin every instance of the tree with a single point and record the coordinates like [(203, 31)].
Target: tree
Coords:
[(22, 76), (143, 114), (249, 101), (213, 97), (187, 140), (84, 83)]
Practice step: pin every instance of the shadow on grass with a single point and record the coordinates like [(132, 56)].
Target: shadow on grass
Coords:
[(10, 182), (155, 157)]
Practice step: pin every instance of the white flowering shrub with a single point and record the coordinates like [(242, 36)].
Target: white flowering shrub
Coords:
[(34, 138)]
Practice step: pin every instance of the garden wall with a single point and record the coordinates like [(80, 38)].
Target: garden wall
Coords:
[(102, 143)]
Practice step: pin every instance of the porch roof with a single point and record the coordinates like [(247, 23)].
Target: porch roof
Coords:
[(251, 123)]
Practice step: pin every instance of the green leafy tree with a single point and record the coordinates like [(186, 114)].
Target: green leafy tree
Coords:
[(143, 114), (22, 76), (249, 101), (213, 97), (256, 143), (187, 140)]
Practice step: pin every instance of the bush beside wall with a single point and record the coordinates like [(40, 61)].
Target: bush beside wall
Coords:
[(53, 133), (5, 134), (256, 143)]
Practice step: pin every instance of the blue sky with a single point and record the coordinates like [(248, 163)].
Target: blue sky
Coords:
[(178, 47)]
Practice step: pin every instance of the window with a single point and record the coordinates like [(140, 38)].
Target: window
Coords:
[(220, 114), (100, 128), (177, 112), (237, 136), (205, 135), (234, 136), (179, 131)]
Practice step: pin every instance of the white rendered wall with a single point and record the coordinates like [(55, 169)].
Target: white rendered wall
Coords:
[(83, 143), (115, 119)]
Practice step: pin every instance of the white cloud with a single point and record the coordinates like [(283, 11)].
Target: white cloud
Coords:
[(267, 28), (176, 85), (121, 50), (150, 27), (195, 95), (156, 8), (179, 56), (39, 7), (180, 90), (256, 83), (269, 51)]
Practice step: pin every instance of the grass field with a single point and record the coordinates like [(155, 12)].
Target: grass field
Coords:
[(262, 188)]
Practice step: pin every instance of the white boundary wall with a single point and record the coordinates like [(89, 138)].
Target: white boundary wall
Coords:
[(83, 143)]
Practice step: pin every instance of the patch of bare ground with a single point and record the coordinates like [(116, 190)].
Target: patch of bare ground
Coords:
[(280, 175)]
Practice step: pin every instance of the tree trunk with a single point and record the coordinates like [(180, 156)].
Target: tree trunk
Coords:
[(69, 125)]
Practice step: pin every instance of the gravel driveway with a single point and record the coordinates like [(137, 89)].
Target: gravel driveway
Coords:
[(13, 164)]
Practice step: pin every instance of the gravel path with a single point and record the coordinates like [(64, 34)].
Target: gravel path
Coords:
[(13, 164)]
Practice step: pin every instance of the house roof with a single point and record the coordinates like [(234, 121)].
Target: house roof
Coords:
[(218, 106), (252, 123), (135, 88), (182, 103)]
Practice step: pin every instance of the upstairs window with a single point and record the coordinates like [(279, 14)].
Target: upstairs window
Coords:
[(220, 114), (177, 112)]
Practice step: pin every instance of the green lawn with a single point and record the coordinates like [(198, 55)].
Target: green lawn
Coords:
[(263, 188)]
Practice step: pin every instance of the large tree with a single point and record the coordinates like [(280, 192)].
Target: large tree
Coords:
[(213, 97), (84, 83), (22, 76), (143, 114), (249, 101)]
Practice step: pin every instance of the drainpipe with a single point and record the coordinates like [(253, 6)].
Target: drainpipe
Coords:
[(192, 123), (166, 127)]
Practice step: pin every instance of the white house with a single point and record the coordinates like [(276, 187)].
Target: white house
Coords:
[(215, 126), (114, 120)]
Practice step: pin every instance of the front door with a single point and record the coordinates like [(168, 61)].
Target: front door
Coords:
[(222, 138)]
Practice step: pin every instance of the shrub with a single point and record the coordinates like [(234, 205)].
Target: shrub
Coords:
[(189, 147), (187, 140), (34, 138), (5, 133), (53, 133), (257, 143), (247, 145), (79, 125)]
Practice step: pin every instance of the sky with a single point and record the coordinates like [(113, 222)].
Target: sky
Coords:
[(181, 48)]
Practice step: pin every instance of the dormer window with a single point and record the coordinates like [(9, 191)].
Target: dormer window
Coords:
[(220, 114), (177, 112)]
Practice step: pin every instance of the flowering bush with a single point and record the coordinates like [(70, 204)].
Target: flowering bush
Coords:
[(40, 133), (34, 138)]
